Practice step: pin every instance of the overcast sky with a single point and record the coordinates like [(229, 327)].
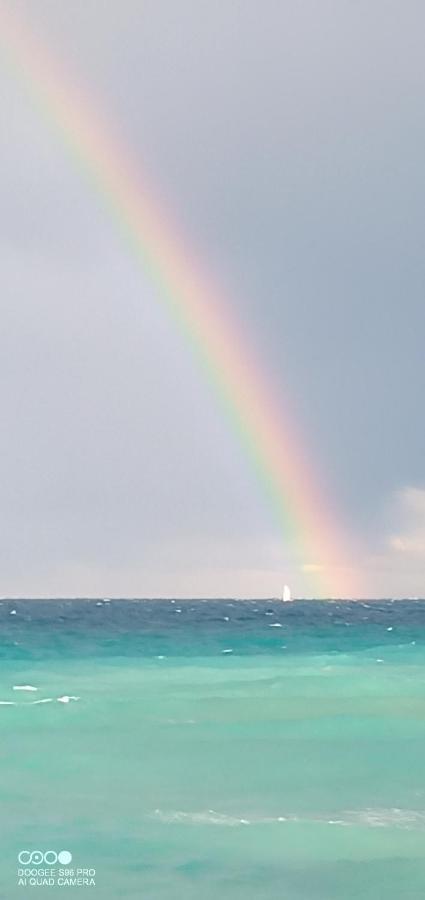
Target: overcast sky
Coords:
[(288, 139)]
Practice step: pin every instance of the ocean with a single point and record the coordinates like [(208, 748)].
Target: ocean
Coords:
[(246, 750)]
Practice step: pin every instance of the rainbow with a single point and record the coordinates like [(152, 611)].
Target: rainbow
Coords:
[(266, 430)]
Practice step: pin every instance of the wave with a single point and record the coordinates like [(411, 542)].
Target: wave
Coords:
[(381, 818), (208, 817), (408, 819), (65, 699), (24, 687)]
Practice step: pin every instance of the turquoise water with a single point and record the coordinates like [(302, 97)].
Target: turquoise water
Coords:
[(194, 749)]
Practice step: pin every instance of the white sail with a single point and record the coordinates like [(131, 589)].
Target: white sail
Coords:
[(286, 594)]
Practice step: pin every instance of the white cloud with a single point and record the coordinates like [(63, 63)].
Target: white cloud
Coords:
[(409, 539), (396, 568)]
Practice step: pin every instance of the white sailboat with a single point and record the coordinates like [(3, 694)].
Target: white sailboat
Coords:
[(286, 594)]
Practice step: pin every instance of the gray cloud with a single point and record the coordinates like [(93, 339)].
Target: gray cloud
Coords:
[(287, 139)]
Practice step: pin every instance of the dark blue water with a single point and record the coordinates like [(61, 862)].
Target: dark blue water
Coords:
[(146, 627)]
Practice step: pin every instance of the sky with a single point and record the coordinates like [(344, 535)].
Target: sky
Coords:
[(287, 140)]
